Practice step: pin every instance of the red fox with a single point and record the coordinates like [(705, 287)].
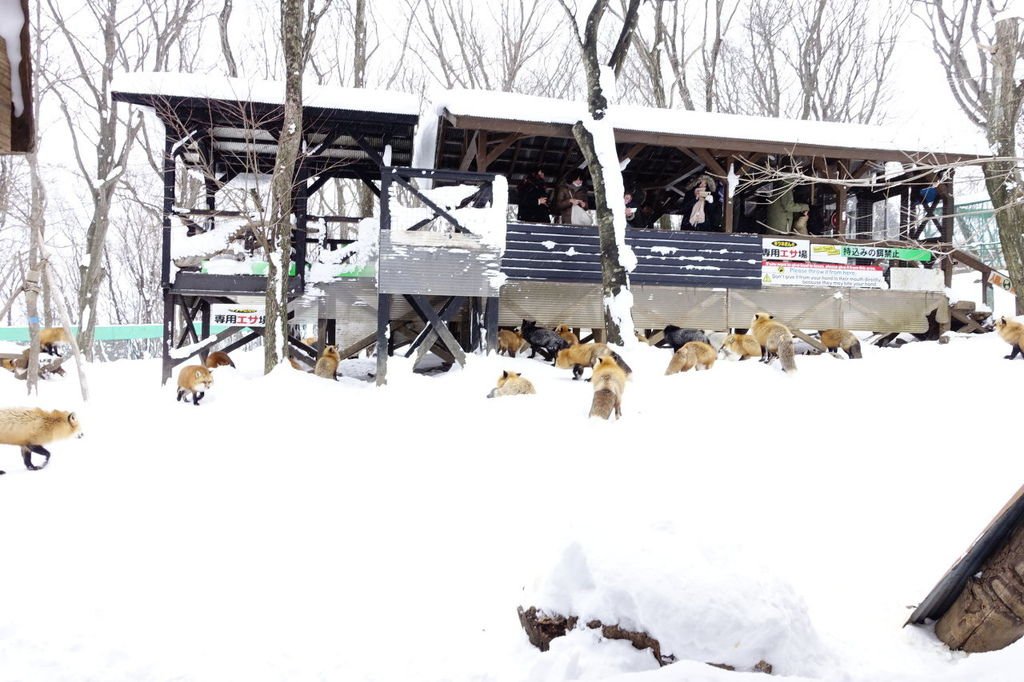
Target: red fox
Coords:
[(834, 339), (30, 428), (693, 354), (218, 359), (512, 383), (566, 333), (510, 342), (609, 382), (15, 364), (50, 338), (1012, 332), (580, 355), (194, 380), (743, 345), (775, 339), (327, 363)]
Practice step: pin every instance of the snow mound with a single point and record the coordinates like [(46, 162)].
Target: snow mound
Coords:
[(702, 602)]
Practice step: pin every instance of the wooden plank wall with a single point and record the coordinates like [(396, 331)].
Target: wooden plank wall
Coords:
[(556, 253)]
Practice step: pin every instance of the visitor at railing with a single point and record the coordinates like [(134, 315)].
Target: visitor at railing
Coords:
[(570, 203), (533, 198), (782, 211), (702, 207)]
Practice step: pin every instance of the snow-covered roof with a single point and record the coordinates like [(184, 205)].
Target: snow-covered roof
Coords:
[(729, 132), (204, 86)]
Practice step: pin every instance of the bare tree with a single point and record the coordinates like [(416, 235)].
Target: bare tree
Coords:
[(225, 44), (296, 46), (490, 47), (820, 59), (982, 54), (596, 140), (146, 34)]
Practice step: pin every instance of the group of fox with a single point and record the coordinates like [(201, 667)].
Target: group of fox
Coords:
[(31, 428), (767, 339)]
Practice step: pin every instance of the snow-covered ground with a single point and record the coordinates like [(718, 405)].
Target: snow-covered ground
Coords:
[(293, 528)]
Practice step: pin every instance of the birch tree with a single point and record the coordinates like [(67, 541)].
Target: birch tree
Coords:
[(596, 140), (298, 31), (131, 36), (981, 48)]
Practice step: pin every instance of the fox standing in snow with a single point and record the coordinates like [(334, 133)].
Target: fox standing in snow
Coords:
[(609, 382), (1012, 332), (510, 342), (580, 355), (50, 338), (30, 428), (327, 363), (834, 339), (511, 383), (543, 341), (695, 354), (194, 380), (218, 359), (677, 337), (743, 345), (776, 340), (565, 332)]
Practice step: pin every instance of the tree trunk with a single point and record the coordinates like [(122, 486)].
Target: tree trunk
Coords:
[(225, 44), (1002, 177), (596, 140), (359, 61), (33, 283), (275, 337)]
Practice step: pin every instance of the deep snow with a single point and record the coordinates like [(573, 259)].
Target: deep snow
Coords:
[(296, 528)]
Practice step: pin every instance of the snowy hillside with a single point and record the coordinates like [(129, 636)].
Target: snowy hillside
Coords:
[(293, 528)]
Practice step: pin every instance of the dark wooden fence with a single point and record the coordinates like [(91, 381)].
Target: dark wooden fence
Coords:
[(557, 253)]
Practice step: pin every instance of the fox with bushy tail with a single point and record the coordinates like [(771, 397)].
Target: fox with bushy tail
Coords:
[(776, 341), (1012, 332), (834, 339), (609, 382), (30, 428)]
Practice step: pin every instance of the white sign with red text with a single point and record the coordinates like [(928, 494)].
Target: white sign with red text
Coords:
[(829, 275)]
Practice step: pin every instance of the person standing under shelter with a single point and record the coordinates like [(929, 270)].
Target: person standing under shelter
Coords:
[(570, 194), (781, 212), (533, 198)]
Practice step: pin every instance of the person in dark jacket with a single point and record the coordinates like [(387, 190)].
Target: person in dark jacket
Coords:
[(570, 193), (702, 206), (533, 198)]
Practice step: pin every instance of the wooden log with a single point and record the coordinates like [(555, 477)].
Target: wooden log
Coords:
[(989, 613)]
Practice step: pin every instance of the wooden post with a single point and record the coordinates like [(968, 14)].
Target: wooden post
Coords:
[(948, 209), (383, 337), (841, 210), (5, 99), (727, 220), (986, 615)]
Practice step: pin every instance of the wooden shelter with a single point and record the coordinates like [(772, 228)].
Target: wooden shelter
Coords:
[(430, 281), (221, 128), (842, 171)]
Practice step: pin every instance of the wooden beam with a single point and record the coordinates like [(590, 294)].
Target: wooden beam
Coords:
[(469, 153), (499, 148), (809, 340), (841, 210), (710, 161), (481, 151), (632, 151)]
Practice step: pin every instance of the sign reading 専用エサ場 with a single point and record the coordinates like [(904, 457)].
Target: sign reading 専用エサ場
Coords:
[(235, 314), (773, 248), (834, 275)]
